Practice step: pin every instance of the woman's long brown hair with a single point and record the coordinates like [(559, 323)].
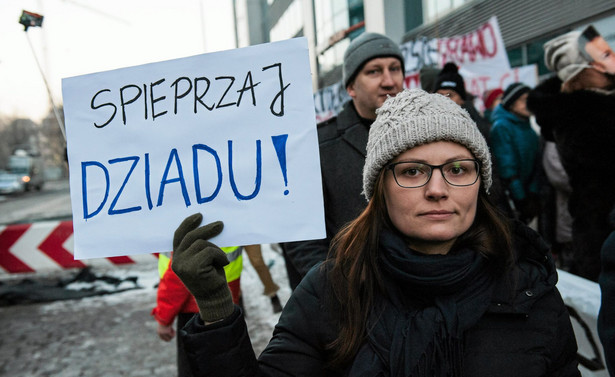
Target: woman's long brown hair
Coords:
[(356, 279)]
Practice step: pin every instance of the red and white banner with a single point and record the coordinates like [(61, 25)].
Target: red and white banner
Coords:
[(480, 55), (47, 246)]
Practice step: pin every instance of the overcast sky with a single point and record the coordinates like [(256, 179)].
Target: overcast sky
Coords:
[(81, 36)]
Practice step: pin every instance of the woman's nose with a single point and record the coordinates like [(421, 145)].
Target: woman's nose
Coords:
[(436, 187)]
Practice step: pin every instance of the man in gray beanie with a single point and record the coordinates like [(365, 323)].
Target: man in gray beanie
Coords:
[(373, 70)]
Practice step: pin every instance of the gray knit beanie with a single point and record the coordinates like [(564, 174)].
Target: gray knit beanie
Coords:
[(365, 47), (415, 117), (563, 56)]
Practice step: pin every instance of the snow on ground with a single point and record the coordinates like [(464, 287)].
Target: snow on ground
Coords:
[(259, 314), (115, 335)]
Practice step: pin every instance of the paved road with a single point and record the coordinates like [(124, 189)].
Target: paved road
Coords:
[(52, 202), (104, 336), (113, 335), (98, 336)]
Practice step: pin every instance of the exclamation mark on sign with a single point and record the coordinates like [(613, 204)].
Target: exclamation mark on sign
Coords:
[(279, 143)]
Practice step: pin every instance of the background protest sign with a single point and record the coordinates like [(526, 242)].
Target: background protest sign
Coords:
[(480, 55), (231, 135)]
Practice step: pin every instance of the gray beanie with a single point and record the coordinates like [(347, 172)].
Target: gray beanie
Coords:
[(412, 118), (365, 47), (563, 56)]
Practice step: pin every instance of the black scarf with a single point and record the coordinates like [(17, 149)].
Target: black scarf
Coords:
[(433, 300)]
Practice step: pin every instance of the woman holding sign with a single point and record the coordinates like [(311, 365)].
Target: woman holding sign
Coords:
[(429, 280)]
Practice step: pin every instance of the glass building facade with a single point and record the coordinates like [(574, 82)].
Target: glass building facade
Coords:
[(330, 25), (330, 18)]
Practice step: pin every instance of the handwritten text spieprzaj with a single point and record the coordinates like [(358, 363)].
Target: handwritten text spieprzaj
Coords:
[(108, 102)]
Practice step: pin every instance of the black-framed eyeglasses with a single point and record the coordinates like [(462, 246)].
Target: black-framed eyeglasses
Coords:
[(412, 174)]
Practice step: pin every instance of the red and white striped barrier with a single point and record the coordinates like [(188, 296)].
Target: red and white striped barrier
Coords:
[(47, 246)]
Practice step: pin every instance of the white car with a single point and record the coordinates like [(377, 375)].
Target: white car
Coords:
[(11, 183)]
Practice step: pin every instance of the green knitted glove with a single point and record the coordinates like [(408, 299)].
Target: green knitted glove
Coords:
[(200, 266)]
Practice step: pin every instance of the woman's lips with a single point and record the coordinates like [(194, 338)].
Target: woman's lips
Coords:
[(437, 215)]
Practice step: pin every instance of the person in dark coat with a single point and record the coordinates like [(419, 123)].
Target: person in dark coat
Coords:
[(373, 70), (516, 150), (429, 280), (450, 83), (575, 109), (606, 316)]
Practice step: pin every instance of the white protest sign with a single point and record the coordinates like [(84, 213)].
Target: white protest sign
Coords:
[(480, 55), (231, 135), (329, 101), (526, 74)]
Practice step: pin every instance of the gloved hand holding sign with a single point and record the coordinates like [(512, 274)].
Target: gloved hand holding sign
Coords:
[(200, 266)]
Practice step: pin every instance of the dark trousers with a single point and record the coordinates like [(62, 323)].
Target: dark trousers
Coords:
[(294, 277)]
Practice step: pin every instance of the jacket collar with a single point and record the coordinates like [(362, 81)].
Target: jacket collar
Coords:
[(509, 116), (351, 129)]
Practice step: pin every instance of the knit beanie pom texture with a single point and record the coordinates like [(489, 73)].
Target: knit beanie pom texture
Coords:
[(449, 78), (512, 93), (412, 118)]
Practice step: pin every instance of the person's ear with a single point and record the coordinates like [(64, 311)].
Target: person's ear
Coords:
[(350, 90)]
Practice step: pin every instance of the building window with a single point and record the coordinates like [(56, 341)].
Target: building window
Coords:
[(536, 55), (289, 25), (531, 53), (331, 17), (436, 9), (515, 57)]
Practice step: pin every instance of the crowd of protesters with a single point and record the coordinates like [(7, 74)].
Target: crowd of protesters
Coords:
[(550, 147), (419, 185)]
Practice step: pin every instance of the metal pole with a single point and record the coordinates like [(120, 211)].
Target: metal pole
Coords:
[(53, 105)]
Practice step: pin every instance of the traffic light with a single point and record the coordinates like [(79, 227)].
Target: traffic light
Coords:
[(28, 19)]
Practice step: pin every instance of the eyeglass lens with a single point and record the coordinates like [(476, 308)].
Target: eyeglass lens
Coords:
[(416, 174)]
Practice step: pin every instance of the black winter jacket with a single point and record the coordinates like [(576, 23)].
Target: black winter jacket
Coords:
[(526, 331), (606, 317), (342, 144), (583, 128)]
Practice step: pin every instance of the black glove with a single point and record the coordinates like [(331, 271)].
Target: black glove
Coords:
[(200, 266)]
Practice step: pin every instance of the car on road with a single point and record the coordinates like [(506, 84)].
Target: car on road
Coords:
[(25, 172), (11, 183)]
